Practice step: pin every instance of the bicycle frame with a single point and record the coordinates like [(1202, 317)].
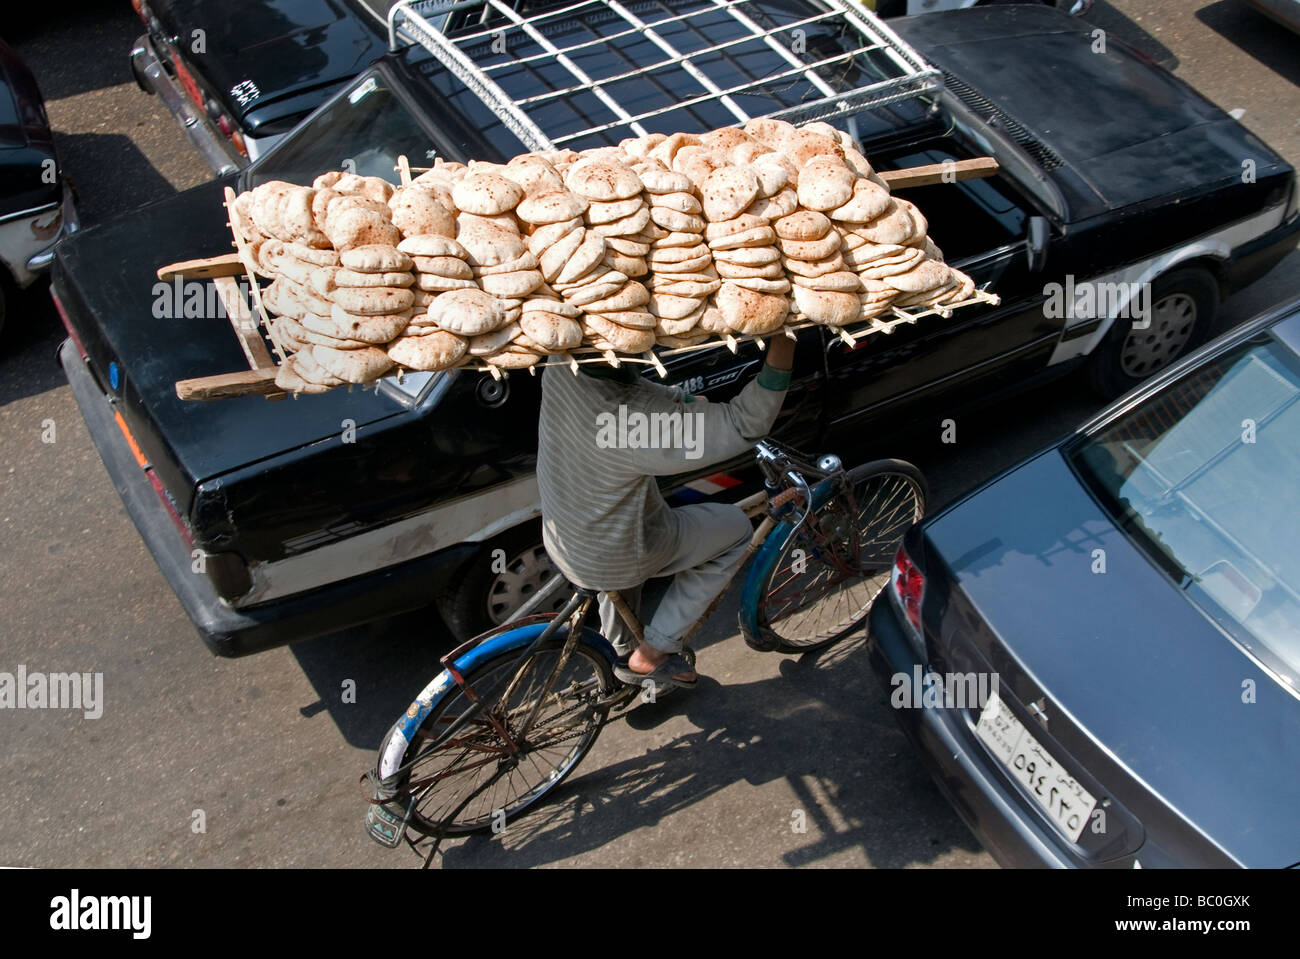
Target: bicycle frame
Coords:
[(780, 466)]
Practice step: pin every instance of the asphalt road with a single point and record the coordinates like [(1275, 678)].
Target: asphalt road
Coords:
[(265, 752)]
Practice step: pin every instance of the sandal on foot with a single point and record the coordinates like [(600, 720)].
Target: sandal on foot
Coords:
[(663, 675)]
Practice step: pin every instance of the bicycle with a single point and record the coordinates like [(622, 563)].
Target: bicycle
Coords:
[(517, 708)]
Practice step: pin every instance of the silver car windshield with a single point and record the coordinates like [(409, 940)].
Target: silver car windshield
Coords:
[(1202, 474)]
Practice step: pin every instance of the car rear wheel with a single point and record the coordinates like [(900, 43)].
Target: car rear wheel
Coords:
[(1183, 306), (497, 580)]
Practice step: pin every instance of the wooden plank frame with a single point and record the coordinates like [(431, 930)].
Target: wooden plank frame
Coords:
[(259, 379)]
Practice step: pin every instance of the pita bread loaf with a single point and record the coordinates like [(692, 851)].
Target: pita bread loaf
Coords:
[(438, 350), (468, 312), (486, 194), (667, 238), (416, 212)]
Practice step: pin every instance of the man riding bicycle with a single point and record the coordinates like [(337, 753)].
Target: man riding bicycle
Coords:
[(604, 522)]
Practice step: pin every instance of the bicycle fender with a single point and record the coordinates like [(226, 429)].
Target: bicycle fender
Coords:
[(400, 737), (764, 561)]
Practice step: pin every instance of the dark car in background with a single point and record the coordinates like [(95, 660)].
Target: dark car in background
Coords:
[(1135, 589), (273, 524), (240, 74), (36, 203)]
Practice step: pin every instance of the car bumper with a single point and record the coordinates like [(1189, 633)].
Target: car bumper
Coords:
[(152, 76), (27, 240), (1285, 12), (1252, 260), (983, 798), (238, 632)]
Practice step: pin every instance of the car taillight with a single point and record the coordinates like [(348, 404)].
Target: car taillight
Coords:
[(907, 587), (188, 83)]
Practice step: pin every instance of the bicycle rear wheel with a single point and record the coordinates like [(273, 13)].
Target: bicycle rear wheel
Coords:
[(828, 574), (478, 761)]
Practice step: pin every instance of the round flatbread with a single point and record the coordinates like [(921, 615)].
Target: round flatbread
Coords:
[(551, 331), (600, 179), (371, 301), (469, 312), (429, 244), (486, 194), (429, 352), (750, 311), (354, 366), (368, 329), (727, 191), (342, 277), (555, 207)]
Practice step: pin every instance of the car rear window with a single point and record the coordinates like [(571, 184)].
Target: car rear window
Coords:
[(362, 131), (1203, 476)]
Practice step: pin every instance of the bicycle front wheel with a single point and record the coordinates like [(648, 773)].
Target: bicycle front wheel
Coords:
[(488, 772), (828, 573)]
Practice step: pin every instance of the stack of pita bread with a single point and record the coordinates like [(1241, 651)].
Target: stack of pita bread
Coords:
[(662, 240)]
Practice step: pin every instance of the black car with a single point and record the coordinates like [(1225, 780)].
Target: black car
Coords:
[(278, 521), (1135, 590), (240, 74), (36, 204)]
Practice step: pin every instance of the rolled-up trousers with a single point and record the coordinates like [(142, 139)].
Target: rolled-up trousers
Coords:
[(709, 544)]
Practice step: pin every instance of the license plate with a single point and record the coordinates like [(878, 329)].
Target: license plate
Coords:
[(1066, 803)]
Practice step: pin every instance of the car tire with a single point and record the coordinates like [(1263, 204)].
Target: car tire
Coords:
[(1183, 306), (491, 585)]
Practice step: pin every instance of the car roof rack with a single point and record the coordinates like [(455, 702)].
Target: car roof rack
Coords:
[(906, 73)]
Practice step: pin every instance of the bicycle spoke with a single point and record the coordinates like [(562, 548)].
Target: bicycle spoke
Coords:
[(848, 546), (564, 723)]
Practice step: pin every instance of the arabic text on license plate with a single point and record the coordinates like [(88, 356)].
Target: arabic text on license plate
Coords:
[(1067, 803)]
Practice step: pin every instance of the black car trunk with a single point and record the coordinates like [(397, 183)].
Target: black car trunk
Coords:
[(259, 58), (1112, 670), (1109, 126), (142, 335)]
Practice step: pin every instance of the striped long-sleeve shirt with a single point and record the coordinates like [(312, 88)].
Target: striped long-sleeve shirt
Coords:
[(601, 443)]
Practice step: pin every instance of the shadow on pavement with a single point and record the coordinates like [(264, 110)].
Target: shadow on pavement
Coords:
[(135, 181), (823, 726), (81, 45), (31, 334), (1266, 40), (389, 662)]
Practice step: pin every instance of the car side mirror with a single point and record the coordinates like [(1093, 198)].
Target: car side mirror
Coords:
[(1036, 243)]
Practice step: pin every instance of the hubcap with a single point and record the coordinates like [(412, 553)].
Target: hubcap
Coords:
[(524, 575), (1144, 351)]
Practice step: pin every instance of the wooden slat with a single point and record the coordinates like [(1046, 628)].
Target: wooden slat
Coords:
[(225, 385), (250, 270), (228, 264), (242, 322), (933, 173)]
